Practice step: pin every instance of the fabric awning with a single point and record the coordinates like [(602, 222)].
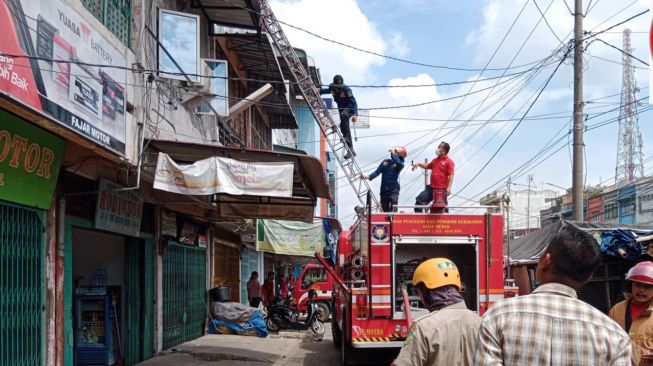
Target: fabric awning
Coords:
[(309, 181)]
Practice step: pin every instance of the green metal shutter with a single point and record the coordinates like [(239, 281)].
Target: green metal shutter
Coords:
[(21, 286), (132, 301), (184, 289)]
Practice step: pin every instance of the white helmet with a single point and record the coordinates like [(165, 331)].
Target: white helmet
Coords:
[(641, 272)]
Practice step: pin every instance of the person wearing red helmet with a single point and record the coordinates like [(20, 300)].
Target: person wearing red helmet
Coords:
[(634, 313), (389, 170)]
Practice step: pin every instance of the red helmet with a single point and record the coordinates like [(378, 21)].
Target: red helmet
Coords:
[(641, 272), (400, 150)]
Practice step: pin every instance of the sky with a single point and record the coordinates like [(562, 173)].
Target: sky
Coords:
[(497, 113)]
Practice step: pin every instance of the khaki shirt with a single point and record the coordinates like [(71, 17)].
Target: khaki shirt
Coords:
[(444, 337), (641, 331)]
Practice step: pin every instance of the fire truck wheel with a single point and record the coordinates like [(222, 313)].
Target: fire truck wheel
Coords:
[(323, 311), (345, 347), (336, 334)]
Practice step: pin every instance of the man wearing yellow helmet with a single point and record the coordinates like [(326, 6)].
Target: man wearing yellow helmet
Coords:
[(447, 336)]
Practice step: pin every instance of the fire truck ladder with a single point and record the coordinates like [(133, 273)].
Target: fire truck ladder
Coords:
[(331, 132)]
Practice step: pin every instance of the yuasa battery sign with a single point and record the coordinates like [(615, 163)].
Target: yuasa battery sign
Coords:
[(53, 61)]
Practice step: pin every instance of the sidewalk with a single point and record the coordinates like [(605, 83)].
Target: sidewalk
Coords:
[(224, 350)]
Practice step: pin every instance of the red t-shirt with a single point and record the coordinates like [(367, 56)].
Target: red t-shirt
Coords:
[(636, 310), (441, 169)]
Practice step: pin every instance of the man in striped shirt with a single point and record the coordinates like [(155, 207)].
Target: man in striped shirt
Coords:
[(552, 326)]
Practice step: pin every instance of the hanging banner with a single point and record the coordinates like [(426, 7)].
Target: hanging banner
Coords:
[(29, 162), (223, 175), (118, 211), (54, 61), (290, 237)]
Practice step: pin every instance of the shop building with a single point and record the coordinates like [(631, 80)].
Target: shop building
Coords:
[(97, 264)]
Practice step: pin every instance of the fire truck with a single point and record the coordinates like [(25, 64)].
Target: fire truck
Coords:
[(374, 300), (314, 277)]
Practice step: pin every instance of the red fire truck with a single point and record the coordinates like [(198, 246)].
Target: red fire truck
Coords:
[(314, 277), (376, 259)]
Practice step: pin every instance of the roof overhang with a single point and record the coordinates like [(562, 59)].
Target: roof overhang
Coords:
[(230, 13), (259, 59), (309, 181)]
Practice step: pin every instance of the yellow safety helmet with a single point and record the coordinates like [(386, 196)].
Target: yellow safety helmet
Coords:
[(437, 272)]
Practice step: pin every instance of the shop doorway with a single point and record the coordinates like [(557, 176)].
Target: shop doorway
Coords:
[(184, 293), (112, 297), (21, 285), (248, 264)]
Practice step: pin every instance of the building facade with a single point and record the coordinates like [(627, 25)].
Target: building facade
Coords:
[(92, 93)]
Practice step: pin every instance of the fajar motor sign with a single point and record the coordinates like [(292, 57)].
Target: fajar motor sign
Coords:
[(52, 60)]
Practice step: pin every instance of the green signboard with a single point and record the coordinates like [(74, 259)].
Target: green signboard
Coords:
[(29, 162), (290, 237)]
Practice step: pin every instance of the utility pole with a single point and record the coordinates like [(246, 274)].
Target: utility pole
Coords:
[(577, 173), (528, 204), (506, 200)]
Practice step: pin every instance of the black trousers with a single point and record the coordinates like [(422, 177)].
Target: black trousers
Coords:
[(255, 301), (389, 200), (345, 115), (425, 197)]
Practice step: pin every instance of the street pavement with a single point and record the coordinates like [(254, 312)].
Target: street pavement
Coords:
[(284, 348)]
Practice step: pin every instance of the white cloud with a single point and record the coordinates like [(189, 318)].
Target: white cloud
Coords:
[(398, 45), (339, 20)]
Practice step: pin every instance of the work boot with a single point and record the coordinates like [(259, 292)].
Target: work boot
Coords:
[(348, 155)]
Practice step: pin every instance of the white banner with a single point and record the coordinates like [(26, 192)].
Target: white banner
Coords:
[(223, 175)]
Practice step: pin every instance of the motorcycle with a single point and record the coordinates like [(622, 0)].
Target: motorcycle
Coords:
[(283, 317)]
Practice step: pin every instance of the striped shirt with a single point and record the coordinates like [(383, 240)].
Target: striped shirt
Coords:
[(551, 326)]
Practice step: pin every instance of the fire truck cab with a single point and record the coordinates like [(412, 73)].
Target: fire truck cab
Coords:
[(314, 277), (377, 256)]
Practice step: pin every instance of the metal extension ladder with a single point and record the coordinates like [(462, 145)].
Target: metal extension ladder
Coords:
[(312, 96)]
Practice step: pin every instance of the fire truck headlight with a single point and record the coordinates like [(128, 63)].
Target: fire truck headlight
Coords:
[(397, 328)]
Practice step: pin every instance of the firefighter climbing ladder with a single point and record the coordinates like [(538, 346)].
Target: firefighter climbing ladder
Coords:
[(331, 132)]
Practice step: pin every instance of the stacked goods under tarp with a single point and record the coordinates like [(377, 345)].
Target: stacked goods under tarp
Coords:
[(236, 318)]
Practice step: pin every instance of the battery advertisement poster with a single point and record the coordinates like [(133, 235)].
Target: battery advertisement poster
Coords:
[(52, 60)]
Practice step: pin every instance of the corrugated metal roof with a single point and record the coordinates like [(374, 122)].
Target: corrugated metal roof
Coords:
[(231, 13)]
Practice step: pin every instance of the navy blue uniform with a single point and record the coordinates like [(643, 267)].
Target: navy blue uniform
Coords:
[(347, 107), (389, 170)]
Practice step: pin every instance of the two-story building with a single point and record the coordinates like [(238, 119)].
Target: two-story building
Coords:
[(96, 97)]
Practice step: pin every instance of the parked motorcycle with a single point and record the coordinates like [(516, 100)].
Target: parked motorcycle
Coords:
[(283, 317)]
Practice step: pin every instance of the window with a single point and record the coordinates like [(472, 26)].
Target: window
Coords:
[(219, 88), (610, 211), (646, 203), (628, 207), (179, 35), (312, 276), (114, 14)]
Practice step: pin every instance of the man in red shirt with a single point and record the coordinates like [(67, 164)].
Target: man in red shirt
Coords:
[(268, 290), (442, 168)]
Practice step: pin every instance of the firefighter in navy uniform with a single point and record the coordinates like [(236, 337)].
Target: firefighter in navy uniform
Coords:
[(347, 108), (389, 170)]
